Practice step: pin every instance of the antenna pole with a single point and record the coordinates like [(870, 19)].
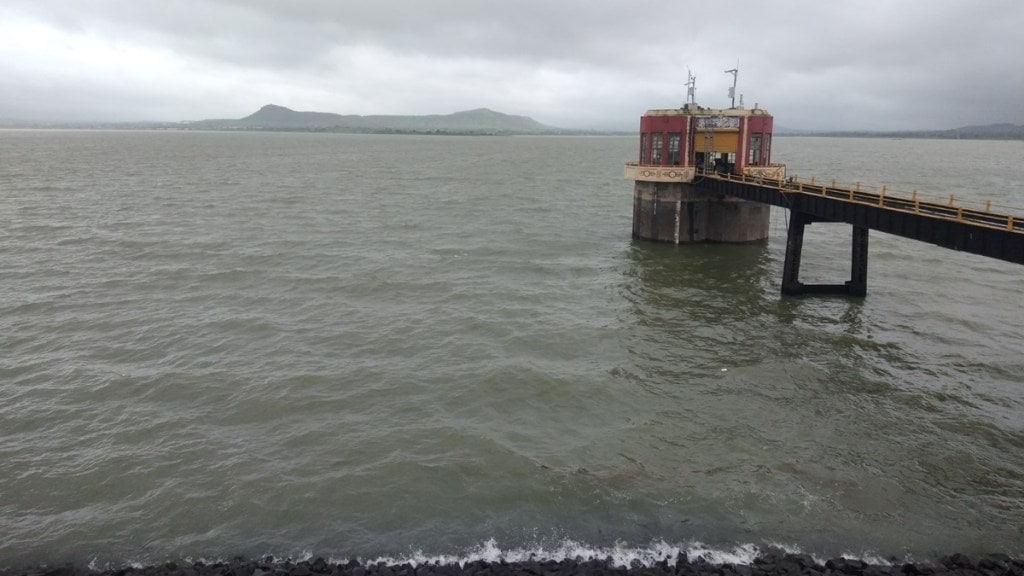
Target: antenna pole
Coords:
[(691, 87), (732, 91)]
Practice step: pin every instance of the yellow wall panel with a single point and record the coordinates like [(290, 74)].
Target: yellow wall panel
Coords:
[(723, 141)]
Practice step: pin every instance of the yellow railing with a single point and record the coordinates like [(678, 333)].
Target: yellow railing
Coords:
[(985, 214)]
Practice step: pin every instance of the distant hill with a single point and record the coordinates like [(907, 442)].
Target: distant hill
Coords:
[(479, 121), (1002, 131)]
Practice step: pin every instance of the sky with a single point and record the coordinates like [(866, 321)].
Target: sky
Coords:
[(814, 64)]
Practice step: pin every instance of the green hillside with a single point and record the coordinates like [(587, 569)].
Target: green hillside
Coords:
[(479, 121)]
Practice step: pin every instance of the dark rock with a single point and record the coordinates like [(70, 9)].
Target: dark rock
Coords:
[(994, 562), (789, 566), (846, 566), (956, 561), (239, 568)]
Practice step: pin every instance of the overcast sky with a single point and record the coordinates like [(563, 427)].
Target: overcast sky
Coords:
[(815, 64)]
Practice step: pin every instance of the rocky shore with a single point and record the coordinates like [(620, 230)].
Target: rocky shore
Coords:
[(766, 565)]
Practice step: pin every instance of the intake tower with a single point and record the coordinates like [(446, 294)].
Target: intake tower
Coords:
[(668, 206)]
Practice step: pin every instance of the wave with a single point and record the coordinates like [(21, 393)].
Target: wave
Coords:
[(621, 555)]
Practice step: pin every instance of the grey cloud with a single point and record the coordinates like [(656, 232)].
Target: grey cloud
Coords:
[(837, 64)]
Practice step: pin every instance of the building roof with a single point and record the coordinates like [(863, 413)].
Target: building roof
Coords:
[(695, 110)]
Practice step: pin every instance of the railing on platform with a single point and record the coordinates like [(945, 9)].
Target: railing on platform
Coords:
[(1007, 218), (658, 173), (771, 171)]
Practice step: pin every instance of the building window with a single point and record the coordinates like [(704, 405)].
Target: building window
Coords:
[(645, 147), (755, 150), (766, 155), (673, 149), (655, 148)]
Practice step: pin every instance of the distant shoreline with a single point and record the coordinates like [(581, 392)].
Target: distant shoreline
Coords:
[(893, 136), (477, 122), (176, 127), (1008, 134), (988, 132), (179, 127)]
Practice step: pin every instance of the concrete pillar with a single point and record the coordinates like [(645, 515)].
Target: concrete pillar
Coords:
[(791, 284), (858, 284), (680, 213)]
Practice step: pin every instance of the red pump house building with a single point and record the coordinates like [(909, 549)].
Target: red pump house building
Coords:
[(674, 144)]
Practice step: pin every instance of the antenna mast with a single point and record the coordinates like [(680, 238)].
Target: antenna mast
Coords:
[(732, 91), (691, 87)]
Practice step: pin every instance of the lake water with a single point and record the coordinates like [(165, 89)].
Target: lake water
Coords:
[(217, 344)]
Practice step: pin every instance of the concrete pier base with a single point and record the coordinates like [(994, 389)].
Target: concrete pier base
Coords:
[(680, 213)]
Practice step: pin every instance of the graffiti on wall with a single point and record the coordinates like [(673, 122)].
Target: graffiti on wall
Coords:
[(718, 122)]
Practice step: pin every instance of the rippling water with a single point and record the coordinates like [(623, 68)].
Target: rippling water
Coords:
[(218, 344)]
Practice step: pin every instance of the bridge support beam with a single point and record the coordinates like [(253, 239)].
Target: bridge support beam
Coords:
[(857, 285)]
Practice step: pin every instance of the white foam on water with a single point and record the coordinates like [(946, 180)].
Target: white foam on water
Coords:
[(490, 551), (619, 555), (742, 554), (870, 558)]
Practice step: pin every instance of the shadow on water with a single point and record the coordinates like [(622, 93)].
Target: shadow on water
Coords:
[(693, 309), (668, 274), (718, 305), (721, 303), (720, 282)]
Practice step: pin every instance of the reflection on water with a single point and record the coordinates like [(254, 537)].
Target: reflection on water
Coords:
[(698, 289), (813, 409), (722, 268)]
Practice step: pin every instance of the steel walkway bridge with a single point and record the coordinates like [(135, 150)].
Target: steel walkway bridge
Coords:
[(977, 231)]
